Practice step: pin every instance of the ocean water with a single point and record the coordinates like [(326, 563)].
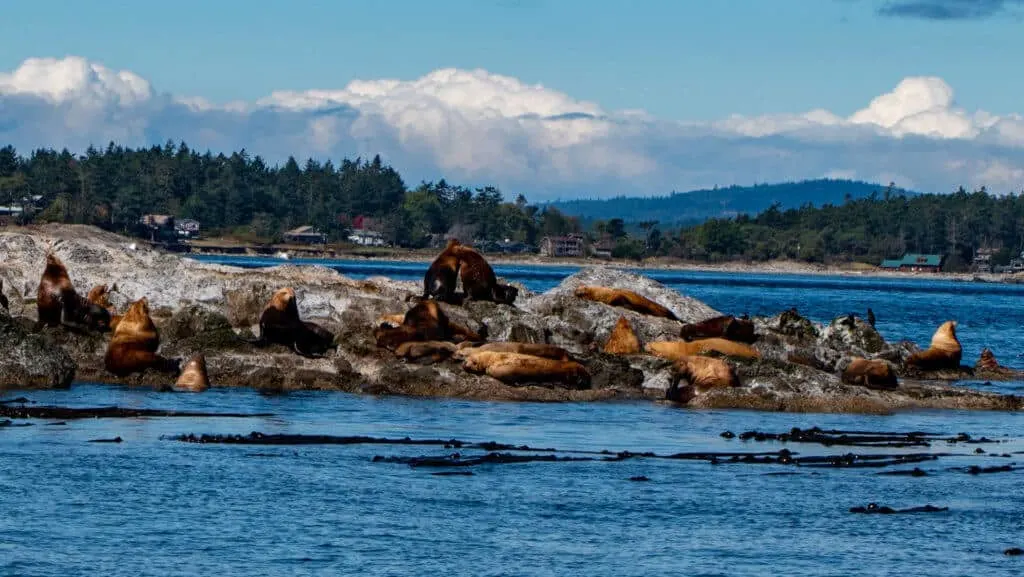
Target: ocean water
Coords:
[(153, 505)]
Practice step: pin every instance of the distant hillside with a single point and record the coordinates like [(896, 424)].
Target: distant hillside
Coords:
[(684, 208)]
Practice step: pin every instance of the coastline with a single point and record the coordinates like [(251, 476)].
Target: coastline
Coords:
[(779, 267)]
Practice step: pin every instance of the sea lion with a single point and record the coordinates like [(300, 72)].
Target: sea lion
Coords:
[(871, 373), (99, 295), (280, 324), (725, 326), (517, 368), (871, 317), (132, 348), (57, 303), (467, 349), (425, 321), (425, 352), (623, 340), (701, 374), (194, 377), (943, 353), (3, 298), (624, 298), (676, 350), (390, 320), (987, 363), (443, 274), (479, 282)]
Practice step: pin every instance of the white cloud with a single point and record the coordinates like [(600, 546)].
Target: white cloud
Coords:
[(476, 127)]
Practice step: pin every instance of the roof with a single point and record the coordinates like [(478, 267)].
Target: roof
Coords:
[(307, 229), (914, 259)]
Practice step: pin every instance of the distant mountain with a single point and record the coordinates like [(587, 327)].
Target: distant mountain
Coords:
[(684, 208)]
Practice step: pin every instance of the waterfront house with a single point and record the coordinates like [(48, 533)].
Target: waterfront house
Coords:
[(562, 246), (912, 262), (187, 228), (305, 235)]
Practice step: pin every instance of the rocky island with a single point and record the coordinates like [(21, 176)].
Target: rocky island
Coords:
[(791, 363)]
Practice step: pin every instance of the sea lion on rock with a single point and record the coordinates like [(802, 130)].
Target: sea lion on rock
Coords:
[(443, 274), (479, 282), (701, 374), (623, 339), (871, 373), (99, 295), (624, 298), (517, 368), (725, 326), (280, 324), (943, 353), (390, 320), (677, 350), (426, 352), (57, 303), (466, 350), (132, 348), (987, 363), (3, 298), (425, 321), (194, 377)]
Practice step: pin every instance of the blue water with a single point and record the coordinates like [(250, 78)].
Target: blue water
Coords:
[(154, 506)]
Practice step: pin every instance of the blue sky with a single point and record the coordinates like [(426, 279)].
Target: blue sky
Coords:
[(682, 59), (539, 96)]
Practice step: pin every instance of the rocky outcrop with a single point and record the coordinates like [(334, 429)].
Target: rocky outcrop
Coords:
[(214, 310), (31, 360)]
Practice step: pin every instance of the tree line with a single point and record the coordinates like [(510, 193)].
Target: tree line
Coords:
[(243, 196)]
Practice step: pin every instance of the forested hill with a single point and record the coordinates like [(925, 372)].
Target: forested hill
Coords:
[(684, 208)]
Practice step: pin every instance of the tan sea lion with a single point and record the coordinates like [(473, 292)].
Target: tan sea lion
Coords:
[(872, 373), (701, 374), (676, 350), (280, 324), (133, 346), (194, 377), (426, 352), (725, 326), (623, 340), (467, 349), (57, 303), (517, 368), (624, 298), (390, 320), (943, 353), (425, 321)]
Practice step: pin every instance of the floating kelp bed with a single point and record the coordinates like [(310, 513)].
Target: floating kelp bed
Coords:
[(833, 437), (10, 411), (494, 453)]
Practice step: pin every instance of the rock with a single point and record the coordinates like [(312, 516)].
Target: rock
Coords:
[(31, 361), (205, 308)]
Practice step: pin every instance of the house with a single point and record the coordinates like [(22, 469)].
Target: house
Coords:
[(305, 235), (560, 246), (365, 237), (187, 228), (9, 215), (159, 227), (603, 247), (912, 262)]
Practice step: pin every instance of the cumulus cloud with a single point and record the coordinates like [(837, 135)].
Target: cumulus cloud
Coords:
[(476, 127), (948, 9)]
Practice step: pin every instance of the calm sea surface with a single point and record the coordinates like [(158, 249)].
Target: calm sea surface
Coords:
[(152, 505)]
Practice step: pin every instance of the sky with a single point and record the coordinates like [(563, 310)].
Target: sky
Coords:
[(551, 98)]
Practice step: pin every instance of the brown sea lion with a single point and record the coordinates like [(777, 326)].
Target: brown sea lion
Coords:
[(467, 349), (390, 320), (442, 275), (99, 295), (57, 303), (987, 363), (132, 348), (725, 326), (425, 352), (624, 298), (623, 339), (701, 374), (194, 377), (479, 282), (676, 350), (943, 353), (425, 321), (517, 368), (872, 373), (3, 298), (280, 324)]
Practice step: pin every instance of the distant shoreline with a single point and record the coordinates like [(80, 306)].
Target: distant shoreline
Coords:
[(782, 267)]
